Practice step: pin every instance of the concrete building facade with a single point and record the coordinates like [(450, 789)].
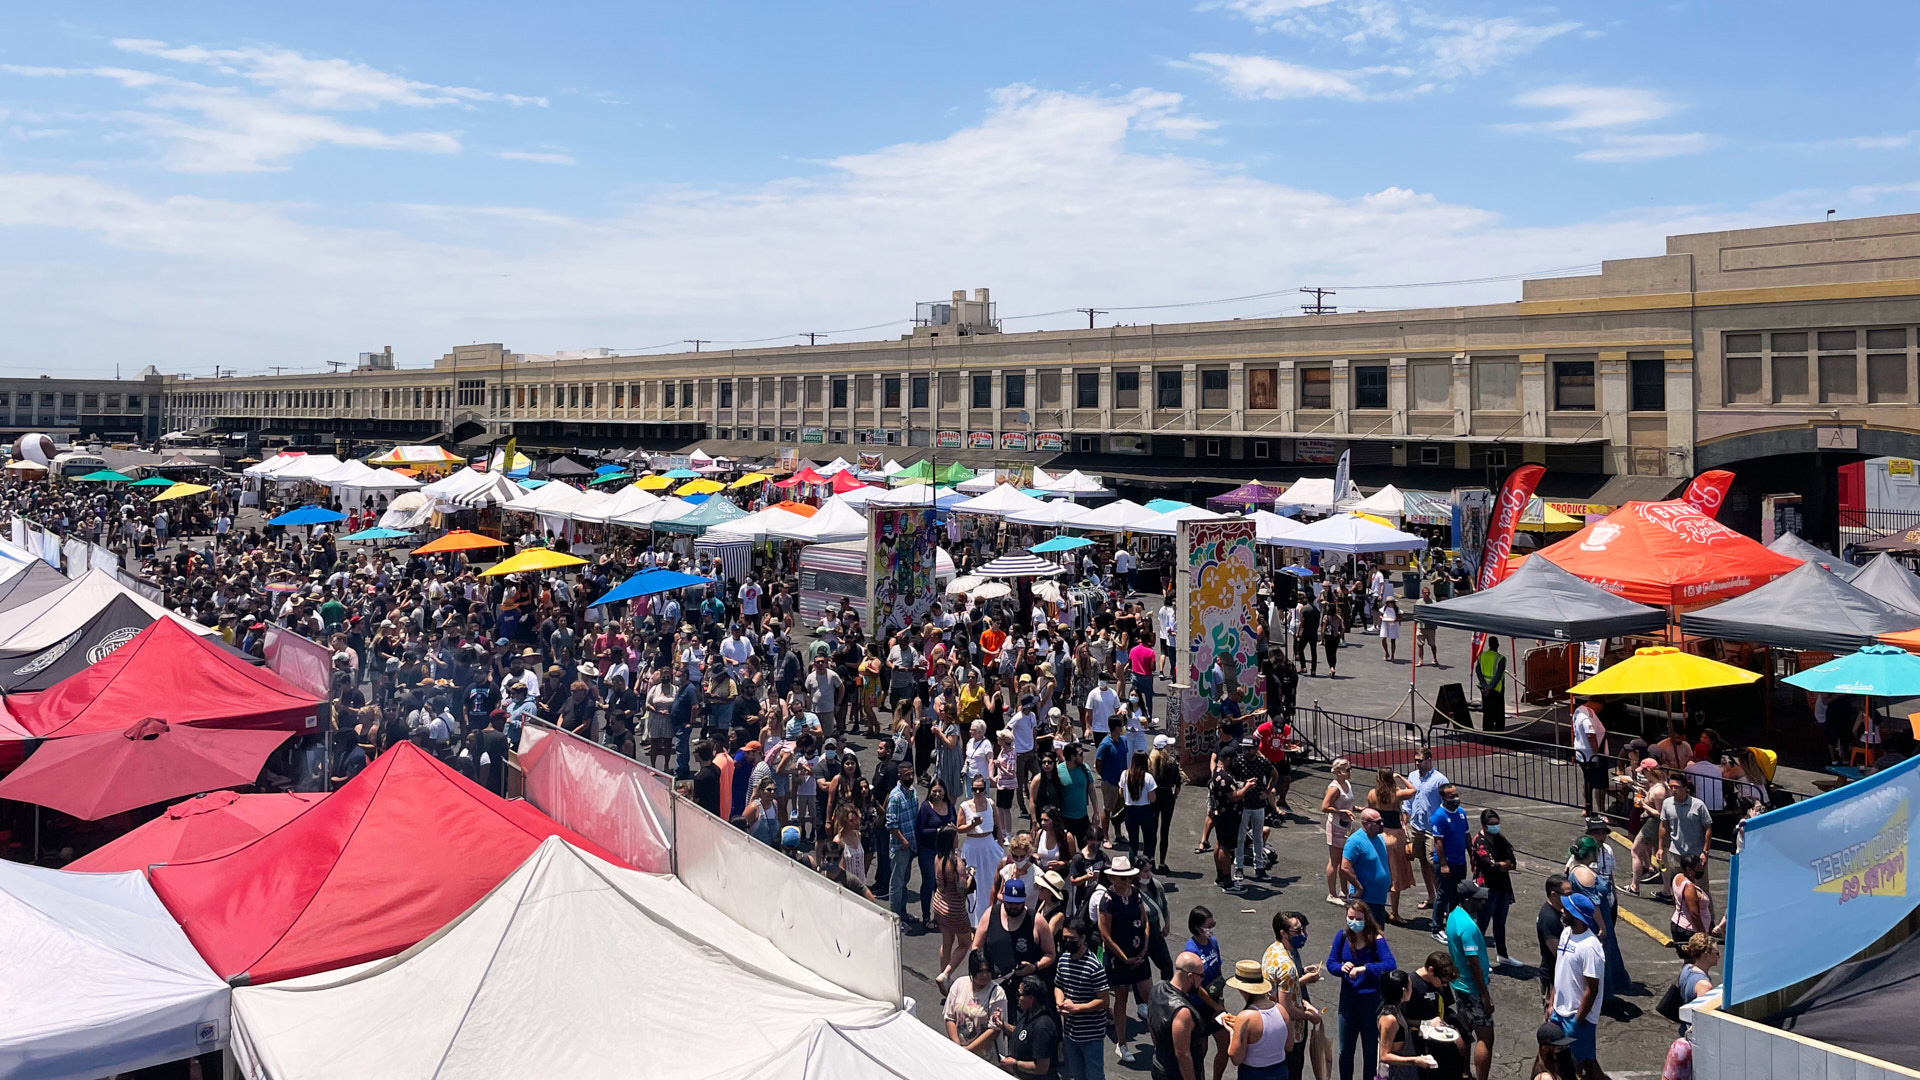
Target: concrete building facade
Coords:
[(1785, 343)]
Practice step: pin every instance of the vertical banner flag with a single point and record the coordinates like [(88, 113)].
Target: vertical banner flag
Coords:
[(1217, 587), (1471, 508), (1515, 494), (900, 568), (1708, 491), (1342, 478)]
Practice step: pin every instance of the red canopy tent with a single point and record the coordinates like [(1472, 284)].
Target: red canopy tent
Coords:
[(804, 476), (1667, 553), (844, 481), (105, 772), (389, 858), (169, 672), (202, 827)]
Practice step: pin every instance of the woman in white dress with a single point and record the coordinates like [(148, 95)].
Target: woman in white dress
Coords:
[(979, 850), (1389, 629)]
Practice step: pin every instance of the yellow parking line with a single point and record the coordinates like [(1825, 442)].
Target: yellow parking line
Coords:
[(1644, 927)]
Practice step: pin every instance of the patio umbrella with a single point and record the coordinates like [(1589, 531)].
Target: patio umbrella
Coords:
[(1662, 669), (749, 480), (92, 776), (964, 584), (181, 491), (1875, 671), (653, 483), (308, 515), (992, 590), (203, 827), (1060, 543), (701, 486), (1019, 564), (458, 540), (154, 481), (534, 559), (377, 533), (648, 583), (106, 476), (609, 478), (1047, 590), (682, 474)]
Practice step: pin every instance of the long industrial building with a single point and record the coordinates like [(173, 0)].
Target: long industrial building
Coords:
[(1793, 344)]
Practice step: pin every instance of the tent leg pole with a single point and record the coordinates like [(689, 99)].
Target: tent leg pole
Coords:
[(36, 834)]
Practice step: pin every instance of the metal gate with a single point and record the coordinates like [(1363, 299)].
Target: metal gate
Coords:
[(1477, 760)]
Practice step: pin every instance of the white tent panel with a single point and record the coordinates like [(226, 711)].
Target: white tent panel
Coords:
[(769, 524), (1168, 523), (1001, 501), (1313, 494), (894, 1049), (1116, 516), (96, 978), (43, 621), (1053, 514), (836, 520), (1346, 534), (408, 510), (625, 501), (383, 480), (307, 467)]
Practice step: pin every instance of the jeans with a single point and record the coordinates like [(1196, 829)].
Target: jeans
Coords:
[(1086, 1060), (1140, 821), (925, 857), (1493, 921), (1144, 684), (1448, 882), (902, 868), (1252, 821), (1359, 1024), (682, 747)]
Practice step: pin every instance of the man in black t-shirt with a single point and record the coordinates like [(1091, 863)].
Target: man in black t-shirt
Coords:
[(1034, 1034), (706, 781), (1546, 931)]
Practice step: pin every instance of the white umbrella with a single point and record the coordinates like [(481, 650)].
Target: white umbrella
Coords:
[(965, 584), (992, 590), (1020, 565), (1047, 590)]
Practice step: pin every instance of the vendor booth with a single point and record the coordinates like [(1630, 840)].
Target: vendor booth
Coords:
[(1667, 553)]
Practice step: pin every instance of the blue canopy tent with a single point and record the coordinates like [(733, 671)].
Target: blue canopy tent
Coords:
[(1166, 506), (649, 583), (377, 533), (308, 515), (1060, 543)]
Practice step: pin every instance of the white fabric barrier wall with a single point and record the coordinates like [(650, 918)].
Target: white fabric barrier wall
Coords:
[(828, 930), (1728, 1047), (79, 556), (612, 800)]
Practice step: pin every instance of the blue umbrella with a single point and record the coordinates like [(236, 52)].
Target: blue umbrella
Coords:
[(649, 582), (1296, 570), (609, 467), (1060, 543), (377, 533), (682, 474), (1875, 671), (308, 515)]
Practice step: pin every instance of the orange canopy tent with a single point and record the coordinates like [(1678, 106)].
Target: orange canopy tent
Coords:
[(458, 540), (792, 507), (1667, 553), (1905, 639)]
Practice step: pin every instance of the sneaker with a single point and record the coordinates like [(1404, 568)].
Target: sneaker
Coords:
[(1126, 1055), (1140, 1012), (1440, 936), (1233, 887), (1509, 962)]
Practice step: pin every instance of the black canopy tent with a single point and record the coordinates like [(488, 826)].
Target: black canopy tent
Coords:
[(1900, 543), (565, 466), (1805, 608), (1886, 580), (1866, 1006), (1544, 602), (1791, 545)]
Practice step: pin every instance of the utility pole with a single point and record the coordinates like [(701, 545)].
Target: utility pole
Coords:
[(276, 368), (812, 338), (336, 365), (1319, 305), (696, 342), (1089, 313)]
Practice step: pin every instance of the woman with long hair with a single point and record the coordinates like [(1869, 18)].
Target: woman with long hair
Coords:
[(1337, 804), (1167, 778), (869, 689), (1397, 1043), (1359, 958), (950, 877), (1137, 792), (934, 814), (1390, 792), (979, 850)]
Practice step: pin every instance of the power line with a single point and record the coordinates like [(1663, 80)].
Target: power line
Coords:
[(696, 342), (1089, 313)]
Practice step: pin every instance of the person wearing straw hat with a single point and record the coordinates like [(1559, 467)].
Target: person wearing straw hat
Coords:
[(1261, 1030)]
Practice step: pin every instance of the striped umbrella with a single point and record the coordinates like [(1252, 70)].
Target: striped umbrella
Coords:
[(1020, 565)]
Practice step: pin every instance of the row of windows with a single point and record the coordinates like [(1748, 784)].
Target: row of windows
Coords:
[(1863, 366), (70, 402)]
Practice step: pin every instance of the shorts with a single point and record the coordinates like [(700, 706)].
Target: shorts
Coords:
[(1119, 974), (1110, 798), (1003, 798), (1595, 771), (1226, 826), (1585, 1037), (1649, 832), (1472, 1010)]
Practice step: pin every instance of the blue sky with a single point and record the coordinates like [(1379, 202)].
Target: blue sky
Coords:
[(199, 184)]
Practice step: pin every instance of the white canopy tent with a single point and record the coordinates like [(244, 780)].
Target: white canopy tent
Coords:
[(762, 524), (835, 521), (545, 499), (383, 480), (837, 465), (1387, 502), (408, 510), (96, 978), (983, 481), (1074, 483), (493, 489), (905, 495), (625, 501), (1051, 514), (1168, 524), (576, 967), (1346, 534), (1119, 515), (42, 622), (306, 467), (346, 472), (1313, 494), (859, 497), (272, 465), (454, 483), (1001, 501), (1273, 529), (659, 510)]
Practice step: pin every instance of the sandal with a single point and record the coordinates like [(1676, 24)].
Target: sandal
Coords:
[(1202, 849), (1423, 905)]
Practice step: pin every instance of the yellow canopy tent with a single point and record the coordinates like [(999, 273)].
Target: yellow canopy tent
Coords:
[(653, 483), (181, 491), (534, 559)]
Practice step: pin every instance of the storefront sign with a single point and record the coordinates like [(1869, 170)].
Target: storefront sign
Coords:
[(1049, 441), (812, 435), (980, 440), (947, 440), (1013, 440), (1316, 451)]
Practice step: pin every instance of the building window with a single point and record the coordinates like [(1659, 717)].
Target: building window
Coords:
[(586, 396), (787, 435), (839, 391), (949, 388), (1086, 389), (1649, 375), (811, 388), (1745, 381), (766, 434), (837, 435), (686, 395), (862, 390), (1126, 389), (1573, 385), (133, 401), (1262, 450), (892, 391), (1212, 447), (1369, 386), (726, 393), (1431, 383), (1886, 377), (1013, 390), (1166, 390), (1789, 368), (1213, 389), (922, 391), (619, 395), (666, 395), (473, 391), (1496, 384), (1263, 390), (983, 391), (92, 401), (1316, 387), (68, 401), (1839, 378)]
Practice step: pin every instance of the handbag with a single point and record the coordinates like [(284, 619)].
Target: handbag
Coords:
[(1670, 1002)]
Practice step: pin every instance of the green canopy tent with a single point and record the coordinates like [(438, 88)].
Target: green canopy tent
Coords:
[(920, 472), (710, 513), (953, 473)]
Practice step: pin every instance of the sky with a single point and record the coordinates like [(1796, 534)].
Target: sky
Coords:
[(252, 187)]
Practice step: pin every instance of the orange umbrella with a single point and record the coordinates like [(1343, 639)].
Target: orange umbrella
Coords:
[(458, 540), (792, 507)]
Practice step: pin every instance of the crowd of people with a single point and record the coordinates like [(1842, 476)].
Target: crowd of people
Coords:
[(1014, 762)]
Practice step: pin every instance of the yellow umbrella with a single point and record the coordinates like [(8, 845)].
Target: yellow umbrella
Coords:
[(533, 559), (1660, 669), (1551, 520), (702, 486), (181, 491), (749, 480), (1375, 518), (653, 483)]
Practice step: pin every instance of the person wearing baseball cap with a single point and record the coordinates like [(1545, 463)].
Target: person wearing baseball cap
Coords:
[(1473, 997), (1579, 978), (1017, 943)]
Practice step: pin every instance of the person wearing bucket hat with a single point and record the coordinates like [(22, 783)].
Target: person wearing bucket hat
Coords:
[(1579, 977), (1261, 1030), (1123, 930)]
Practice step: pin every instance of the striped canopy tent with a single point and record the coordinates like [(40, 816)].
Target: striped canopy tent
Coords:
[(1019, 564)]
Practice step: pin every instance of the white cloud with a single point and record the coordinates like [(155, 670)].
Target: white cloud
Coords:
[(538, 157), (1879, 142), (1450, 46), (276, 107), (1266, 77), (1471, 46), (1618, 148), (1589, 107), (1059, 211)]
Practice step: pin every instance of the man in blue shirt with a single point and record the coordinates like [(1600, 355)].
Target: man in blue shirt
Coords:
[(1449, 827), (1473, 1001), (1363, 863), (1110, 759), (1426, 781), (901, 808)]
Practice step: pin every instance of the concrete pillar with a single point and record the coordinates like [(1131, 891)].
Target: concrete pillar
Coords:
[(1533, 394), (1682, 393), (1340, 396), (1612, 396), (1462, 394), (1397, 400)]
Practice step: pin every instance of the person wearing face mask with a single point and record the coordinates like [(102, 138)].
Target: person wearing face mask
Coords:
[(1449, 827), (1291, 980), (1360, 956), (1083, 996), (1493, 865), (833, 868)]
